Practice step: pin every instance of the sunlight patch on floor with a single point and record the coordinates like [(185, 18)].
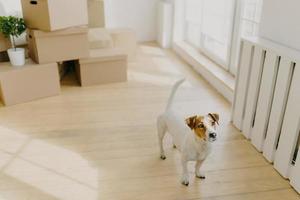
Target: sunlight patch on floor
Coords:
[(50, 181), (11, 141), (165, 66), (62, 173)]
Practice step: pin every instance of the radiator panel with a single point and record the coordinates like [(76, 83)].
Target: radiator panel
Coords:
[(267, 103)]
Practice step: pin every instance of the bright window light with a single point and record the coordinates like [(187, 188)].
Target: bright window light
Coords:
[(215, 27), (251, 17), (209, 26)]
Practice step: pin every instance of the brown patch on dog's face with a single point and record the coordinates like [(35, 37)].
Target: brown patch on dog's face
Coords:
[(196, 123), (200, 131)]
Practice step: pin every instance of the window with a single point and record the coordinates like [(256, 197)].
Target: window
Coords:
[(247, 25), (251, 17), (209, 25), (215, 27)]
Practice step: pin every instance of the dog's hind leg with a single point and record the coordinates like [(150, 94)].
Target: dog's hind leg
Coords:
[(161, 130)]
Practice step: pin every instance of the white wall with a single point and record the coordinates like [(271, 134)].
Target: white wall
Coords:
[(178, 25), (10, 7), (165, 24), (140, 15), (280, 22)]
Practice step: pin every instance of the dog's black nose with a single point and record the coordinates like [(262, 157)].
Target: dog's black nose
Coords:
[(213, 135)]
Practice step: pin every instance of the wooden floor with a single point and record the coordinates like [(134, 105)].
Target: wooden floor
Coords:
[(100, 143)]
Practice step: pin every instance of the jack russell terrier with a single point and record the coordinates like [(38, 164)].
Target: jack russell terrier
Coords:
[(192, 137)]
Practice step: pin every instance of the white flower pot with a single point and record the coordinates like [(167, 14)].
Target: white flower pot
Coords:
[(16, 56)]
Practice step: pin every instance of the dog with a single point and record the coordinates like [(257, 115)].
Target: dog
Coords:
[(192, 136)]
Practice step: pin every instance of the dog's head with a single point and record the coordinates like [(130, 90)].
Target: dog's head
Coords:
[(204, 126)]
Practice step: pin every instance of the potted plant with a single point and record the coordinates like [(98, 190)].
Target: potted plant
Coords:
[(12, 27)]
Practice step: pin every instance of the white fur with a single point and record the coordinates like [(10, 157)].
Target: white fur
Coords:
[(192, 148)]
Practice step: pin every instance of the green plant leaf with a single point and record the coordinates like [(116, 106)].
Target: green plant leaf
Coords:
[(12, 26)]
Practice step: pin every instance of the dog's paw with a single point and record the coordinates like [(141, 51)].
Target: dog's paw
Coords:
[(185, 180), (200, 175), (163, 157), (185, 183)]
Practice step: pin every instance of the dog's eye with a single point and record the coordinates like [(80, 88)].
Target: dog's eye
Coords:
[(201, 126)]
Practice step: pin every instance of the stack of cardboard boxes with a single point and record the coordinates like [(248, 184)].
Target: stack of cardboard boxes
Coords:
[(58, 32), (56, 29)]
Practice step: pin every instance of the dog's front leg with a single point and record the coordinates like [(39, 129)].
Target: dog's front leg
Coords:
[(185, 173), (198, 172)]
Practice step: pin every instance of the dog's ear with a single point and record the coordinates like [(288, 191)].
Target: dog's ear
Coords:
[(191, 122), (214, 117)]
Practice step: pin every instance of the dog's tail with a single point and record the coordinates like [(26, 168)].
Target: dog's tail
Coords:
[(173, 92)]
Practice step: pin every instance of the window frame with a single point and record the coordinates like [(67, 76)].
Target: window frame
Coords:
[(231, 64), (224, 64)]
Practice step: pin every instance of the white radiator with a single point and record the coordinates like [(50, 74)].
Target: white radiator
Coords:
[(266, 105)]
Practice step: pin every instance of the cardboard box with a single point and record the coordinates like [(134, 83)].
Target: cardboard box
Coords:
[(29, 82), (99, 38), (96, 13), (57, 46), (4, 43), (4, 56), (103, 66), (51, 15), (125, 38)]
